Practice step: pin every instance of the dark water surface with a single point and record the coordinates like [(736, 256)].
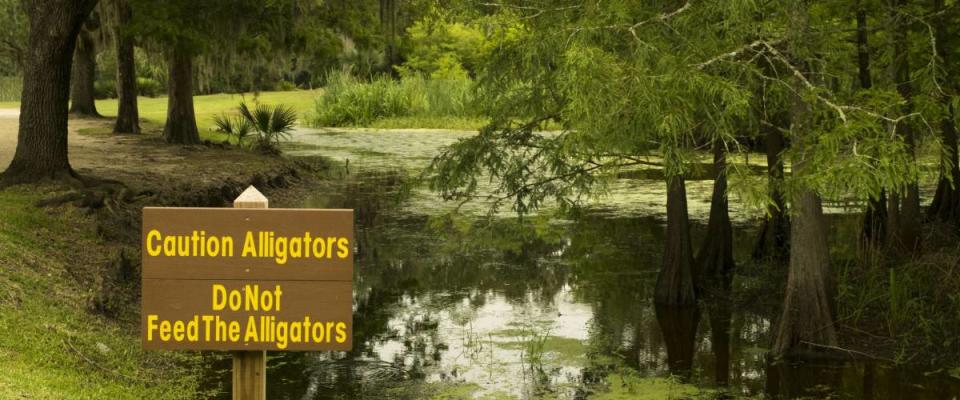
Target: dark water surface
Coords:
[(473, 307)]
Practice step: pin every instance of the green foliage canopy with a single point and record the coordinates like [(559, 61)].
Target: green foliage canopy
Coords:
[(646, 83)]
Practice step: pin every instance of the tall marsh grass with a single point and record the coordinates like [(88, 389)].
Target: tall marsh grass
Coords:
[(348, 101), (10, 87)]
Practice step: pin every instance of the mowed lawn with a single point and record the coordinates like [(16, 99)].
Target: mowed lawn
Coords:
[(208, 106)]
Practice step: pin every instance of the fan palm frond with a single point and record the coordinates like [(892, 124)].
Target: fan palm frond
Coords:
[(270, 123), (282, 121)]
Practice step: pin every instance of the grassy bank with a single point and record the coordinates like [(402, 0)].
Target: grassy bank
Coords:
[(69, 273), (411, 102), (52, 345)]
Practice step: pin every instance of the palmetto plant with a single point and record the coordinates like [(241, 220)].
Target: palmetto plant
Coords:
[(268, 124), (235, 126)]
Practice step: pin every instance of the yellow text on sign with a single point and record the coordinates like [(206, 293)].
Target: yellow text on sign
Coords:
[(251, 298)]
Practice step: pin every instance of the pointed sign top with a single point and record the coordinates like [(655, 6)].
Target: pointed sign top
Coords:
[(250, 198)]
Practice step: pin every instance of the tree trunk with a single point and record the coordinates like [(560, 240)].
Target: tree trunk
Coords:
[(946, 201), (875, 221), (675, 284), (388, 23), (42, 136), (82, 101), (181, 127), (128, 117), (907, 235), (715, 259), (808, 306), (893, 220), (773, 242), (875, 215)]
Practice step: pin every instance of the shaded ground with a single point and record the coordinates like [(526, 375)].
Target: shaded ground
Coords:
[(69, 271), (144, 161)]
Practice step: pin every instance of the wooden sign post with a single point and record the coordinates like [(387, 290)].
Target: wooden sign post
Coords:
[(247, 279), (250, 367)]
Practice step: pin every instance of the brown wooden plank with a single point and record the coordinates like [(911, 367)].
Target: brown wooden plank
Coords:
[(250, 375), (183, 300), (235, 223)]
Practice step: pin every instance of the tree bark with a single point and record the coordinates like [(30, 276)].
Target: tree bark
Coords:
[(808, 306), (676, 282), (875, 215), (946, 201), (875, 221), (128, 117), (715, 259), (82, 101), (42, 136), (774, 239), (893, 220), (181, 127), (907, 235), (389, 12)]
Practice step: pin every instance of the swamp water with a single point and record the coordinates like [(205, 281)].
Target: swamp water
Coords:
[(464, 306)]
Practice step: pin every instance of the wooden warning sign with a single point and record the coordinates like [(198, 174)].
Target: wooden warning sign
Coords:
[(247, 279)]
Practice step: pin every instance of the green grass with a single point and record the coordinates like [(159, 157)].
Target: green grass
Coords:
[(154, 109), (411, 102), (51, 347), (206, 107)]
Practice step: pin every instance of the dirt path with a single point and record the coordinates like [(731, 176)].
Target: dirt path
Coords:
[(8, 134), (143, 160)]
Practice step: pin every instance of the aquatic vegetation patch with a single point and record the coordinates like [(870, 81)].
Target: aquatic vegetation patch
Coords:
[(553, 349), (629, 385)]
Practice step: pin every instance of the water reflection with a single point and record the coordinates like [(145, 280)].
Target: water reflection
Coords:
[(678, 325), (463, 307)]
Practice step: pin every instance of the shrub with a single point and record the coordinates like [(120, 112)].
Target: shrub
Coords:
[(443, 49), (347, 101), (104, 89), (285, 86), (261, 128), (149, 87)]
